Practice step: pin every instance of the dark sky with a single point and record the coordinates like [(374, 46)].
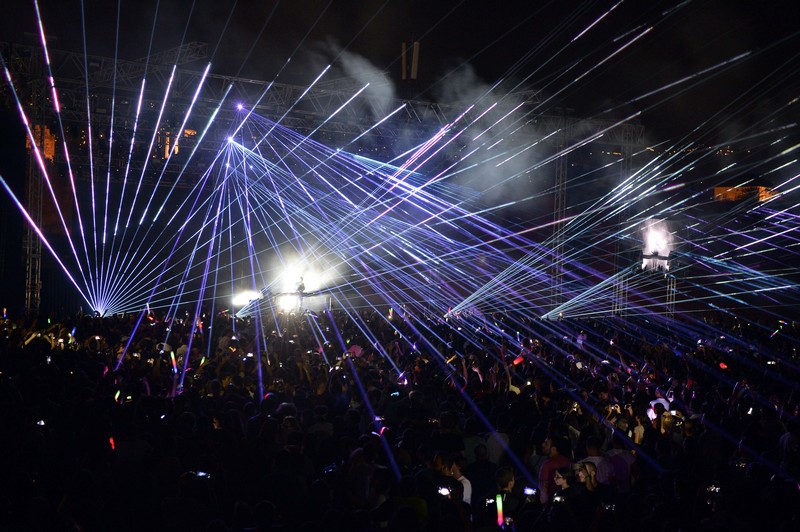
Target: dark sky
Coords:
[(532, 42)]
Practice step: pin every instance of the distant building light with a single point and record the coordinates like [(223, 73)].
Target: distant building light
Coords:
[(741, 193)]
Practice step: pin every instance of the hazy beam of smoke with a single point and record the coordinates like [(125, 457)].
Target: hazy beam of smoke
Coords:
[(359, 71), (492, 140)]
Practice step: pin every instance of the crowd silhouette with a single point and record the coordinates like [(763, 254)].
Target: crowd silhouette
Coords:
[(368, 421)]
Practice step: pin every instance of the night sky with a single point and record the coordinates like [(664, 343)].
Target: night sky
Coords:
[(532, 43)]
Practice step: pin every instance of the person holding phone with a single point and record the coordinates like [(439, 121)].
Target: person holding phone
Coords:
[(456, 463)]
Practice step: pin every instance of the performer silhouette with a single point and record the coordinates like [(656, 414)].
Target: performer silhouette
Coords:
[(301, 288)]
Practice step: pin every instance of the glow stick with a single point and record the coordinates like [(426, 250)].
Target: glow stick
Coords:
[(499, 502)]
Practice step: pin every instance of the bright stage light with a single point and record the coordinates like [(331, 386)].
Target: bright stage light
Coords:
[(242, 299), (657, 245), (289, 279), (313, 277), (656, 241), (288, 302), (239, 106)]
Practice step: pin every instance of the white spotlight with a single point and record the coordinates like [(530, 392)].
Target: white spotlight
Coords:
[(287, 302), (242, 299), (657, 245)]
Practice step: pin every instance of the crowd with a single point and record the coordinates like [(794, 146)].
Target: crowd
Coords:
[(367, 422)]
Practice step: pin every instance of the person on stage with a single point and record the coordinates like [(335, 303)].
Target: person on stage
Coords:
[(301, 288)]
